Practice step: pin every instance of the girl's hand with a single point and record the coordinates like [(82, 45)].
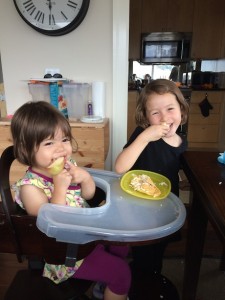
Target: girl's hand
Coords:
[(156, 132), (62, 179), (78, 174), (61, 183), (130, 154), (81, 176)]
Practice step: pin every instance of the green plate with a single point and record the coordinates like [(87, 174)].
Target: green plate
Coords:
[(162, 182)]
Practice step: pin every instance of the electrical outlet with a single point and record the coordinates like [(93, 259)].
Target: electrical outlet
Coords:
[(52, 71)]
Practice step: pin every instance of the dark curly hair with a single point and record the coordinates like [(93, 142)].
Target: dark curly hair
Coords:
[(160, 87), (32, 123)]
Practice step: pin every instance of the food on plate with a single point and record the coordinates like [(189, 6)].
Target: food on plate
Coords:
[(144, 184), (57, 166)]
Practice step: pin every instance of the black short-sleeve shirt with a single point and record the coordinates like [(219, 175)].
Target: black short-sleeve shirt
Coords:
[(161, 158)]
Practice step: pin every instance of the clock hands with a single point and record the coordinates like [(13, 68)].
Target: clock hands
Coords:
[(50, 5), (51, 16)]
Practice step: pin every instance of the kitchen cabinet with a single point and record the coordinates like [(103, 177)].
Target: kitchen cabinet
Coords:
[(135, 29), (206, 132), (93, 143), (205, 18), (92, 140), (131, 107), (208, 29), (167, 15), (162, 15), (223, 40)]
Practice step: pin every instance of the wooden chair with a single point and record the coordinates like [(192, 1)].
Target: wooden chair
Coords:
[(20, 235)]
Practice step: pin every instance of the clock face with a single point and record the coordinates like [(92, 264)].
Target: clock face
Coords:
[(53, 17)]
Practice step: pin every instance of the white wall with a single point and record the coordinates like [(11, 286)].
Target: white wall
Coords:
[(96, 50)]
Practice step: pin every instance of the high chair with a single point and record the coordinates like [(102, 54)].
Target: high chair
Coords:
[(19, 235)]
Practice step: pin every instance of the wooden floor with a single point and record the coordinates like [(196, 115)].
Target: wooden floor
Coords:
[(213, 246), (9, 264), (8, 268)]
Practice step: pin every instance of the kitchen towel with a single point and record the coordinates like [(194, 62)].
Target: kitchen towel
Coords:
[(205, 106), (98, 98)]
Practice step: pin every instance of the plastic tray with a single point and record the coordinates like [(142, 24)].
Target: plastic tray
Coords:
[(123, 218)]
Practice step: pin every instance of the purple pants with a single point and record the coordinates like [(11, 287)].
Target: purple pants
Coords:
[(108, 266)]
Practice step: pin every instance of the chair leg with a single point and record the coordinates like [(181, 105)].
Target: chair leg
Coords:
[(222, 261), (35, 263)]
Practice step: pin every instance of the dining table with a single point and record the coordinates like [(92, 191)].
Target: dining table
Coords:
[(206, 176)]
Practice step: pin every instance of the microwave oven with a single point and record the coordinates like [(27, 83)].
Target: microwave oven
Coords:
[(165, 47)]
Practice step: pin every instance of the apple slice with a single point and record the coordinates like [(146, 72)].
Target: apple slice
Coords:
[(57, 166)]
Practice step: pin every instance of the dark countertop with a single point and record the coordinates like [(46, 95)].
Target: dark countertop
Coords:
[(207, 90), (187, 88)]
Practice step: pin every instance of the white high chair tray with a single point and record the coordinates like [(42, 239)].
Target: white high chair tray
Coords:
[(123, 218)]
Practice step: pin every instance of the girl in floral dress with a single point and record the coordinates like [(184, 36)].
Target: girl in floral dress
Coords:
[(41, 134)]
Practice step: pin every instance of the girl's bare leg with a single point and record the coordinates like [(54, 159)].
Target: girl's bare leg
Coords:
[(109, 295)]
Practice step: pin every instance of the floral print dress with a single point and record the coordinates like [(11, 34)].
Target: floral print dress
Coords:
[(56, 273)]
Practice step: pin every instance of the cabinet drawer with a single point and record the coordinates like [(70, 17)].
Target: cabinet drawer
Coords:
[(5, 138), (198, 119), (6, 141), (213, 97), (195, 108), (206, 132), (91, 146), (201, 133), (131, 108)]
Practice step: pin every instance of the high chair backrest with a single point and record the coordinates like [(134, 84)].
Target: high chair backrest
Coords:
[(27, 240)]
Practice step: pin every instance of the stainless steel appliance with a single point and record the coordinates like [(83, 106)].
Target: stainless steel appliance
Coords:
[(165, 47)]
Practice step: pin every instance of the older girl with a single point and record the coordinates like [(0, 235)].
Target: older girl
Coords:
[(156, 146)]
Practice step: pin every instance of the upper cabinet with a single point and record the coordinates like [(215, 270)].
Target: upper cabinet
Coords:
[(161, 15), (135, 29), (205, 18), (167, 15), (208, 29)]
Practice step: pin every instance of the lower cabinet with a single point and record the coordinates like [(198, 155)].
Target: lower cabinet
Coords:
[(205, 132), (131, 107)]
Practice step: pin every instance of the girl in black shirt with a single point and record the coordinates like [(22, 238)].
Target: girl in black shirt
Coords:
[(155, 146)]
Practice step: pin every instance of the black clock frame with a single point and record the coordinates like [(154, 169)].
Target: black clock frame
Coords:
[(65, 30)]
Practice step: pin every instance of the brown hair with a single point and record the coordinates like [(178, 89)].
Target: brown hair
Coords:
[(32, 123), (160, 87)]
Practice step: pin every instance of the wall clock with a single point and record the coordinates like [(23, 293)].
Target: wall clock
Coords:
[(52, 17)]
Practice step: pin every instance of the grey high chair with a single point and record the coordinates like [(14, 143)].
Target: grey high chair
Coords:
[(19, 235)]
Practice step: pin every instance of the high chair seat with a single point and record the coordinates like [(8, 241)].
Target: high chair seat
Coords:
[(20, 235)]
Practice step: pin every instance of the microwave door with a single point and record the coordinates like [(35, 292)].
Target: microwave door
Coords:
[(162, 52)]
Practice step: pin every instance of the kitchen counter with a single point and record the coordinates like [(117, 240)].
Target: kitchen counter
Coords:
[(7, 121), (185, 88)]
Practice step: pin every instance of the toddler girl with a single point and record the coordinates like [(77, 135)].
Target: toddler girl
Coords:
[(41, 134)]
